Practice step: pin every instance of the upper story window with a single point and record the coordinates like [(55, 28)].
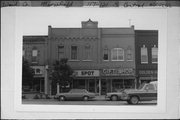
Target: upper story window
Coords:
[(105, 55), (154, 54), (129, 54), (74, 52), (117, 54), (87, 52), (34, 54), (144, 54), (60, 52)]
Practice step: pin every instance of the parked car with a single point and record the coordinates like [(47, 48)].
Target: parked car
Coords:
[(146, 92), (76, 94)]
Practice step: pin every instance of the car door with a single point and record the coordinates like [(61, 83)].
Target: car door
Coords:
[(151, 92)]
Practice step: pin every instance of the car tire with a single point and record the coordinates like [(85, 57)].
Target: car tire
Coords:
[(129, 102), (85, 98), (61, 98), (114, 98), (134, 100)]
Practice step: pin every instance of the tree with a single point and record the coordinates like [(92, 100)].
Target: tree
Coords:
[(27, 73), (62, 73)]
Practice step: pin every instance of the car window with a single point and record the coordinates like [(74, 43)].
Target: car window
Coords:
[(150, 87)]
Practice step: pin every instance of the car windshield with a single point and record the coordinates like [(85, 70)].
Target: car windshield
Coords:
[(141, 86)]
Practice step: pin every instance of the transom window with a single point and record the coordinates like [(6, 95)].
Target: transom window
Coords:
[(74, 52), (144, 55), (117, 54), (154, 54)]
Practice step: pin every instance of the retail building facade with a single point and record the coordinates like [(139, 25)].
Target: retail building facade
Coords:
[(103, 59)]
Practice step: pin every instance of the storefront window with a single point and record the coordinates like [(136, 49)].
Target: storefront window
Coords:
[(60, 52), (154, 54), (117, 54), (74, 52), (144, 55)]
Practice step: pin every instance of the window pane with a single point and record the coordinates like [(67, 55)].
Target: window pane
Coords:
[(114, 54), (87, 52), (144, 55), (120, 54), (60, 52), (129, 54), (154, 55), (34, 53), (105, 57), (74, 52)]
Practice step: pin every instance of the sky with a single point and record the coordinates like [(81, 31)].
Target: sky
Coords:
[(35, 20)]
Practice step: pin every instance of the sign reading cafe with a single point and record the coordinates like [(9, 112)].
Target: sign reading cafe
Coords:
[(118, 72)]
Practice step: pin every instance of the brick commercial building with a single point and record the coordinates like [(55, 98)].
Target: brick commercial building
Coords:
[(103, 59), (146, 45)]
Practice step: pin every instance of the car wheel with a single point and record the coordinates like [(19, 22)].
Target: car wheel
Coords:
[(61, 98), (129, 102), (134, 100), (114, 98), (85, 98)]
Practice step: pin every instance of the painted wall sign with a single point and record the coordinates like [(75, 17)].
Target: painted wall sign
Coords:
[(118, 72), (148, 72), (86, 73)]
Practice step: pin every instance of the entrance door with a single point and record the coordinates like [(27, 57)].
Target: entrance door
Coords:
[(103, 87)]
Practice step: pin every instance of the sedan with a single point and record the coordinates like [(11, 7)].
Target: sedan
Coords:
[(76, 94)]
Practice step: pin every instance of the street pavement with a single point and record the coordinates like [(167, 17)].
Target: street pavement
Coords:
[(99, 100)]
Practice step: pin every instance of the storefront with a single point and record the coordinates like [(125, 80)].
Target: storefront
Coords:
[(117, 79), (147, 76), (86, 79), (38, 81)]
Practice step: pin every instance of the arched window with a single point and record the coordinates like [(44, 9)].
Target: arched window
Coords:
[(117, 54), (154, 54), (144, 55)]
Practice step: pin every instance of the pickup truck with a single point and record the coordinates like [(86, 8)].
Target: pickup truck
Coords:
[(146, 92)]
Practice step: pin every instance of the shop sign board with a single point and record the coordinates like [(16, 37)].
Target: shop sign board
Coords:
[(147, 72), (39, 71), (118, 72), (86, 73)]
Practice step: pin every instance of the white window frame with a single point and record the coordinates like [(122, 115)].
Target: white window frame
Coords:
[(155, 47), (141, 55), (117, 54)]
